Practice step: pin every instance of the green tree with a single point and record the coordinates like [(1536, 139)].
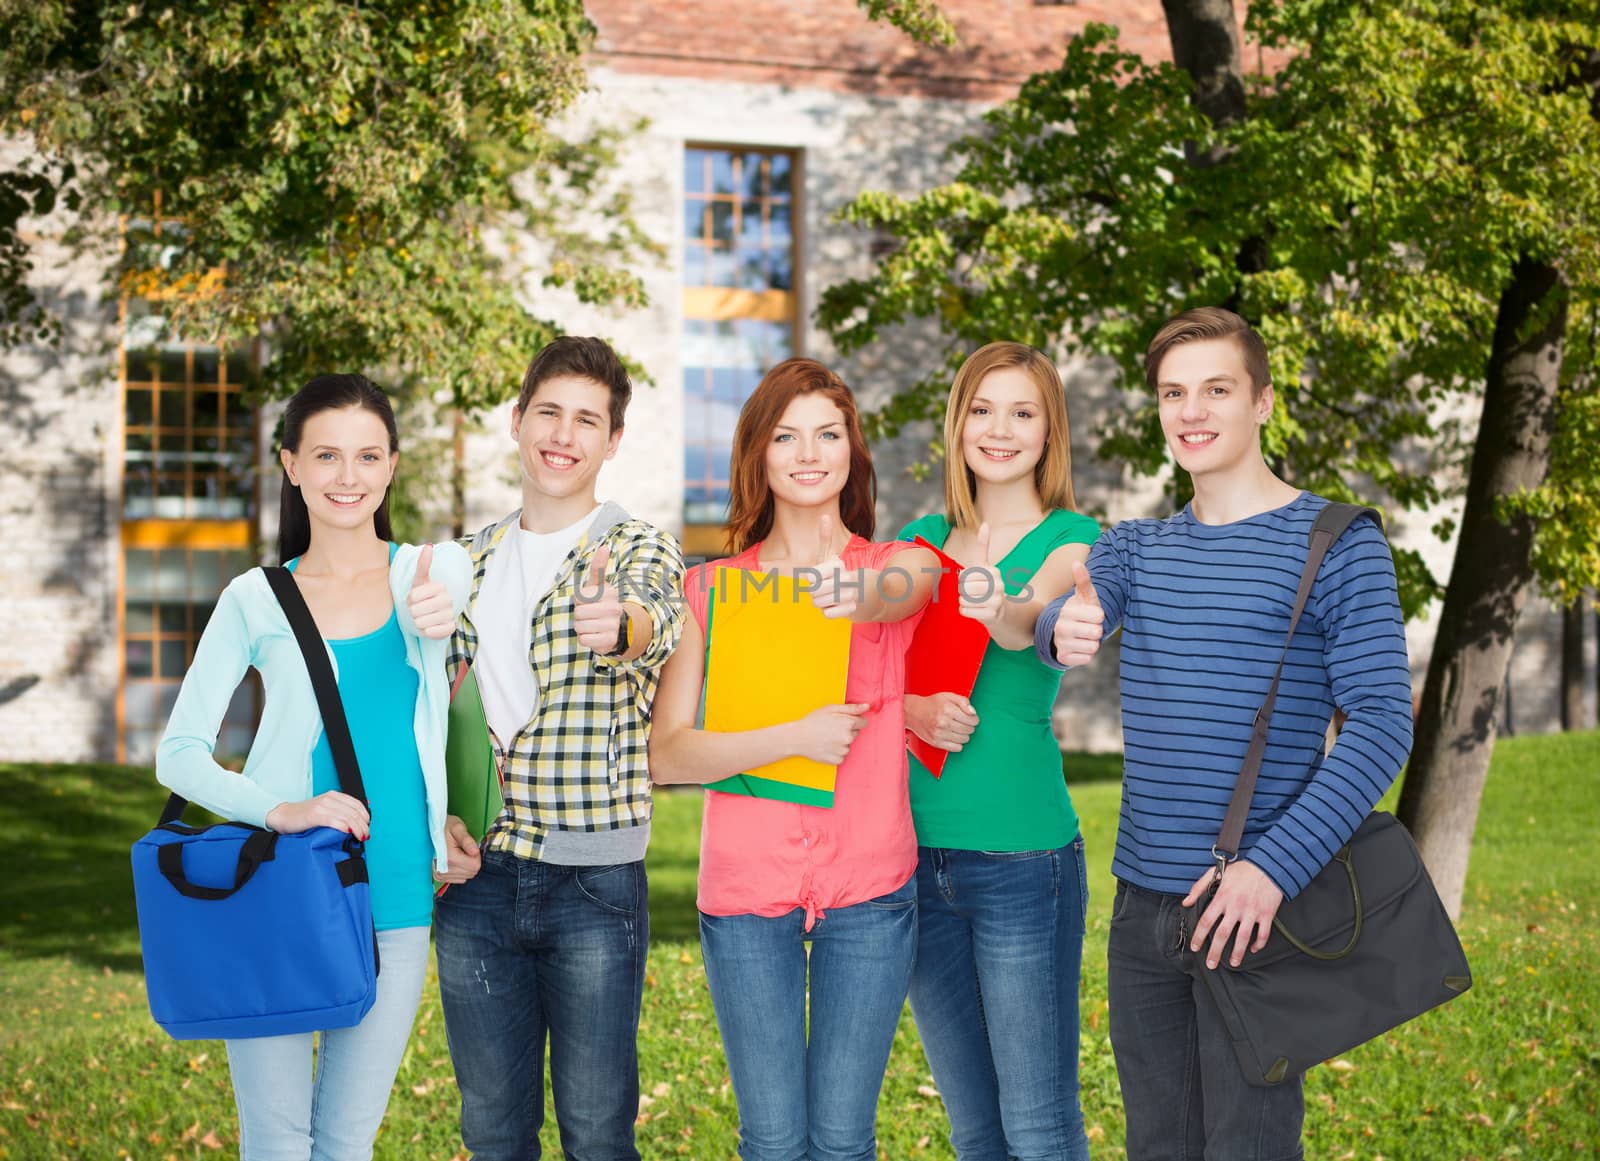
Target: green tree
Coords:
[(371, 179), (1408, 210), (366, 179)]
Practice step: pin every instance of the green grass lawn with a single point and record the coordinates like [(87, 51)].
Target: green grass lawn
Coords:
[(1508, 1071)]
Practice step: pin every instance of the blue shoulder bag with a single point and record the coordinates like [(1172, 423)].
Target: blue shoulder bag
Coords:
[(246, 932)]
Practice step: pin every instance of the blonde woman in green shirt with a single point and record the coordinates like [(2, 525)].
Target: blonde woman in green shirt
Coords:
[(1000, 878)]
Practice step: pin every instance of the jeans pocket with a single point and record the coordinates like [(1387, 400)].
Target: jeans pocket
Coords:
[(1119, 905), (899, 899), (613, 888), (1014, 856)]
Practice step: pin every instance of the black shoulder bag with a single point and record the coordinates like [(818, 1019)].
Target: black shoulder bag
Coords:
[(1364, 948)]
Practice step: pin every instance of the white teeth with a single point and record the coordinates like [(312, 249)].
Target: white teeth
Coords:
[(1198, 437), (344, 499), (999, 453), (807, 477), (559, 461)]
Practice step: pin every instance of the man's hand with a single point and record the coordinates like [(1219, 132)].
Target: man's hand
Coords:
[(598, 614), (1242, 908), (429, 601), (838, 592), (1081, 622), (462, 855), (943, 720), (983, 592)]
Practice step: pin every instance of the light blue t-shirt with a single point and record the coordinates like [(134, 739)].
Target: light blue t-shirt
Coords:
[(379, 692)]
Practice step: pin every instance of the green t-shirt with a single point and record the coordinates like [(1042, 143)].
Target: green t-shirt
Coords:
[(1004, 790)]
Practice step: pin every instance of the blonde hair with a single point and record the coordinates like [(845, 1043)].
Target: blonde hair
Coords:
[(1052, 475)]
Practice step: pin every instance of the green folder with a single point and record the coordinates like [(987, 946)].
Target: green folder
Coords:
[(472, 776)]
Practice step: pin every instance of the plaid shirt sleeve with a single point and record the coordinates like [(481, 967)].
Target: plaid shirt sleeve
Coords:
[(649, 572)]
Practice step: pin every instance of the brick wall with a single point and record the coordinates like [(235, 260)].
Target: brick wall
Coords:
[(830, 44), (60, 439)]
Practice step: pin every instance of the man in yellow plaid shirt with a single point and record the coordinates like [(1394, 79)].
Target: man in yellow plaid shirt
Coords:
[(574, 608)]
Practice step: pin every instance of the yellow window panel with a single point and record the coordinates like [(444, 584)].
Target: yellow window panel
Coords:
[(719, 303), (200, 534)]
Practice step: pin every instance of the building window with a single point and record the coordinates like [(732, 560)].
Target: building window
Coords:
[(739, 309), (188, 510), (168, 594), (187, 439)]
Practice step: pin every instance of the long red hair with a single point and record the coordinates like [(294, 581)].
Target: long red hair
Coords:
[(750, 504)]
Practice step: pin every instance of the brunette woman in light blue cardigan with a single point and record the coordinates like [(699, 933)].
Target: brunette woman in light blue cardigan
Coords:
[(385, 612)]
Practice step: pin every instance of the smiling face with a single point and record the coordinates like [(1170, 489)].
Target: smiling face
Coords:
[(1210, 413), (808, 453), (342, 467), (1004, 432), (564, 438)]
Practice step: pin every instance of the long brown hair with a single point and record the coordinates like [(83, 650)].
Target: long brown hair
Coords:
[(750, 505), (1052, 475)]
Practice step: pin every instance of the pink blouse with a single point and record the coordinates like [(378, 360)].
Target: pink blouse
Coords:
[(762, 857)]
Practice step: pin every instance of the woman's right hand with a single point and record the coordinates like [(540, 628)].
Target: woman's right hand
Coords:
[(824, 735), (943, 720), (332, 808)]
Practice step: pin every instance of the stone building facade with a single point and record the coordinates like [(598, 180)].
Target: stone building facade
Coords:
[(763, 119)]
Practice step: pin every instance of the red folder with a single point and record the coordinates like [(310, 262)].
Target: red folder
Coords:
[(946, 652)]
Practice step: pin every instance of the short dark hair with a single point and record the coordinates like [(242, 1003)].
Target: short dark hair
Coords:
[(586, 357), (1201, 324)]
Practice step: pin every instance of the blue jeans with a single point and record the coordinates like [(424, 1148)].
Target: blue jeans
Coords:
[(995, 995), (1184, 1093), (813, 1100), (286, 1114), (528, 949)]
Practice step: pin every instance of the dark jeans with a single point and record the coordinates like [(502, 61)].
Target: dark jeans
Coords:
[(529, 948), (995, 994), (1184, 1094)]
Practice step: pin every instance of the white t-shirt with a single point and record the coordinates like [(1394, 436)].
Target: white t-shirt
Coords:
[(520, 573)]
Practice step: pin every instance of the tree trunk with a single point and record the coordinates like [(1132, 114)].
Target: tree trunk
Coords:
[(1205, 44), (1572, 666), (458, 473), (1489, 580)]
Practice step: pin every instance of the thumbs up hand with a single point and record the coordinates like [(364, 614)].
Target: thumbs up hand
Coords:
[(598, 616), (982, 590), (838, 592), (429, 601), (1081, 623)]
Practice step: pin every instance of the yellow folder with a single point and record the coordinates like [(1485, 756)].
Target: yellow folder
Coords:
[(772, 657)]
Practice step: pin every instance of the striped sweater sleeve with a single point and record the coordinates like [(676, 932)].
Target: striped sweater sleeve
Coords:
[(1357, 605)]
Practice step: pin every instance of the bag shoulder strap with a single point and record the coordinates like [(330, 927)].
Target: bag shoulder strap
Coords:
[(323, 683), (1329, 525)]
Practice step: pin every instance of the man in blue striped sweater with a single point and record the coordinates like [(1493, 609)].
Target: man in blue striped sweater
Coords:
[(1203, 599)]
